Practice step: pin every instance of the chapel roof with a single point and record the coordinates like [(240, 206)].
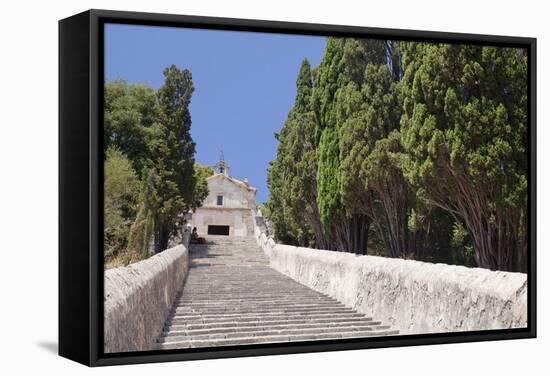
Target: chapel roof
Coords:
[(232, 180)]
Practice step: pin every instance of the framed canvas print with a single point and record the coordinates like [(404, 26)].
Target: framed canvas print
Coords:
[(239, 187)]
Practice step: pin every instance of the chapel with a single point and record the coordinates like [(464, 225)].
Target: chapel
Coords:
[(228, 208)]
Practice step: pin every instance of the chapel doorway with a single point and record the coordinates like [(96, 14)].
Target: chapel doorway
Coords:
[(218, 230)]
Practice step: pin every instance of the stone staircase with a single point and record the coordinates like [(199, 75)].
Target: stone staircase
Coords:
[(232, 297)]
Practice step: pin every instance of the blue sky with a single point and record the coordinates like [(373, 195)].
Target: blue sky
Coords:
[(244, 85)]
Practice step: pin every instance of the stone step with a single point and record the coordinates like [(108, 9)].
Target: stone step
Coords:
[(240, 288), (227, 281), (238, 276), (181, 313), (270, 339), (261, 304), (213, 253), (249, 297), (227, 248), (250, 313), (217, 263), (233, 327), (244, 302), (234, 323), (249, 254), (242, 298), (250, 306), (218, 242), (193, 336), (233, 297), (219, 251), (222, 250), (250, 293), (263, 317), (202, 298), (232, 260), (229, 286), (257, 311)]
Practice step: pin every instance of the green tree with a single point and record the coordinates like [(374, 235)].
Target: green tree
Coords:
[(292, 176), (342, 100), (172, 154), (130, 111), (329, 199), (278, 212), (201, 184), (141, 235), (383, 177), (288, 227), (465, 133), (372, 183), (417, 149), (120, 200), (150, 129)]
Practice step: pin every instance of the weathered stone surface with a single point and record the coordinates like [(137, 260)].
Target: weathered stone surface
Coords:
[(232, 297), (138, 298), (412, 296)]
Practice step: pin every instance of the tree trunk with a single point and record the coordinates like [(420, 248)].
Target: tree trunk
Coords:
[(494, 232), (163, 236), (313, 218), (391, 219), (498, 248)]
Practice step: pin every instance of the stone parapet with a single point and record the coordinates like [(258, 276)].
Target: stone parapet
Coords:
[(414, 297), (138, 297)]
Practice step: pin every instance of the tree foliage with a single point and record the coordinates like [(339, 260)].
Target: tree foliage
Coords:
[(150, 150), (130, 113), (407, 149), (172, 154), (120, 191), (201, 185), (291, 178), (465, 133)]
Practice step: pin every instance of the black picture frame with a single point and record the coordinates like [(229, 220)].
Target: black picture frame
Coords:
[(80, 187)]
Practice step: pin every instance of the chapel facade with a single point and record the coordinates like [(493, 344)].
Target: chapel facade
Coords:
[(228, 208)]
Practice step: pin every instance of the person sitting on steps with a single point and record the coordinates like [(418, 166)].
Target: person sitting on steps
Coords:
[(195, 238)]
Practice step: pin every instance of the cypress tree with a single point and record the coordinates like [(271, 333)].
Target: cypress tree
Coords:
[(465, 133), (329, 198), (423, 143), (292, 176), (173, 152)]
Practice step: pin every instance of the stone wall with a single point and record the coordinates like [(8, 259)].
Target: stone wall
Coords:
[(235, 193), (412, 296), (138, 298), (238, 220), (239, 200)]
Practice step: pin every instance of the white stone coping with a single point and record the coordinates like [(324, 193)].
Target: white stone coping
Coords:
[(138, 298)]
